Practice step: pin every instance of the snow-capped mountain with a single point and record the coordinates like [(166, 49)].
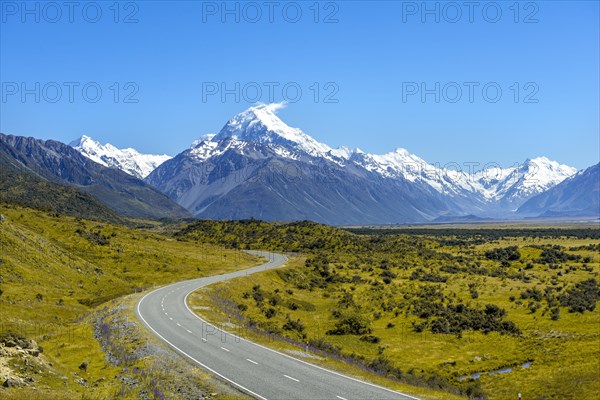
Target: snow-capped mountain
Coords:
[(257, 166), (128, 160), (532, 177), (492, 185), (61, 164), (260, 124), (207, 137), (576, 196)]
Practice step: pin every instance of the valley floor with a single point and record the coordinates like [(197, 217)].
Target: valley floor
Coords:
[(468, 314), (67, 328), (444, 313)]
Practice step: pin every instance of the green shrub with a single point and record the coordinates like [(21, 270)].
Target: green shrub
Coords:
[(370, 339), (351, 324), (504, 254), (582, 297)]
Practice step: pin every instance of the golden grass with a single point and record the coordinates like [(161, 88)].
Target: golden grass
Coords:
[(52, 277), (565, 353)]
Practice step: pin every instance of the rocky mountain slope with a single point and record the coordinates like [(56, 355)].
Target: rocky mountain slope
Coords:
[(576, 196), (61, 164), (257, 166), (128, 160)]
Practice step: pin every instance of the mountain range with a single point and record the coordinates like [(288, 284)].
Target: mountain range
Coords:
[(59, 164), (128, 160), (257, 166), (20, 185), (578, 195)]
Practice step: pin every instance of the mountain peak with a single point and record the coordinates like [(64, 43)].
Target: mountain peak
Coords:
[(262, 116), (128, 160), (81, 140), (544, 166), (267, 114), (260, 124), (402, 152)]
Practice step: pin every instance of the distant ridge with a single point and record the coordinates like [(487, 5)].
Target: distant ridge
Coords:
[(61, 164), (20, 186), (127, 160), (578, 196), (256, 166)]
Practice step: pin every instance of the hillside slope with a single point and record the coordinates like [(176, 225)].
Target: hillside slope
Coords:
[(61, 164), (578, 196), (18, 185), (55, 271)]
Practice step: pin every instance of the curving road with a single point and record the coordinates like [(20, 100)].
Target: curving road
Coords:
[(259, 371)]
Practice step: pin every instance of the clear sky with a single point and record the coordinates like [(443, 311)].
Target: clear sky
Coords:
[(362, 68)]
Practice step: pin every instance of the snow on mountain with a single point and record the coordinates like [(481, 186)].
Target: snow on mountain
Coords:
[(258, 133), (493, 184), (128, 160), (402, 164), (208, 137), (578, 195), (260, 124), (521, 182), (205, 149), (344, 152), (539, 174)]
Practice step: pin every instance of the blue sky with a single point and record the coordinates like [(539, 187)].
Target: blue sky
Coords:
[(369, 60)]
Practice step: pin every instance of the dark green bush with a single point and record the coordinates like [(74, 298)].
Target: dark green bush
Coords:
[(582, 297)]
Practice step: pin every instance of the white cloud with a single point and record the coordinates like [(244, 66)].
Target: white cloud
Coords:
[(273, 107)]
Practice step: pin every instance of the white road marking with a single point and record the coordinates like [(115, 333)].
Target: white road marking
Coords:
[(252, 343), (192, 358), (225, 349), (341, 398), (253, 362), (171, 318), (178, 324), (188, 331), (287, 355), (289, 377)]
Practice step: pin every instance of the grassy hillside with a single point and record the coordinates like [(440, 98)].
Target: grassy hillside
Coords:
[(62, 164), (429, 310), (255, 234), (18, 185), (441, 310), (55, 270)]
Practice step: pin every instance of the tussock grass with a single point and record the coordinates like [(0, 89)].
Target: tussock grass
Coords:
[(54, 271), (563, 352)]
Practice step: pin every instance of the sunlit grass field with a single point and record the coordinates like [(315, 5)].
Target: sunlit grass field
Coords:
[(553, 357), (59, 274), (55, 271)]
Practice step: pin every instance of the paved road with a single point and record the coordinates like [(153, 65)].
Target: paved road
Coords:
[(259, 371)]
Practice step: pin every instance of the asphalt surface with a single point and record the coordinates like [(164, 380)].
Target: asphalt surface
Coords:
[(256, 370)]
